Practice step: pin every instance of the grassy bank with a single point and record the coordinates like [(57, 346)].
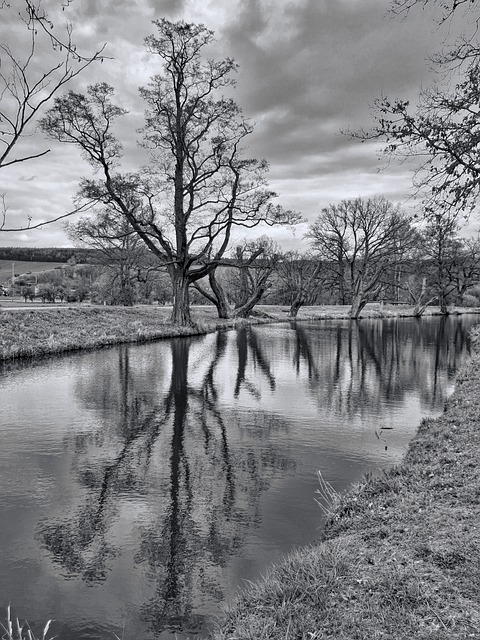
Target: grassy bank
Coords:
[(44, 331), (400, 558), (39, 330)]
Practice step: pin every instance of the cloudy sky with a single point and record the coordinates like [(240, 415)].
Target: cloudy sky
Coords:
[(309, 69)]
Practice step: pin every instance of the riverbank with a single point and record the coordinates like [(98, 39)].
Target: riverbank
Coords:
[(400, 556), (34, 333), (28, 331)]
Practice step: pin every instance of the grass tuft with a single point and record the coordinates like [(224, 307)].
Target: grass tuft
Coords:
[(16, 631), (329, 499)]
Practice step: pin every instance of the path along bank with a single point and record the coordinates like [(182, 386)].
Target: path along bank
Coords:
[(400, 556)]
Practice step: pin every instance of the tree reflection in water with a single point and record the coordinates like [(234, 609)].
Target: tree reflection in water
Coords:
[(378, 361), (170, 441)]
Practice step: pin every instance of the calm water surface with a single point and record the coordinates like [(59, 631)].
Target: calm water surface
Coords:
[(140, 486)]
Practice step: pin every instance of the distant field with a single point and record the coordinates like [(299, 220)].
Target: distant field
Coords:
[(24, 266)]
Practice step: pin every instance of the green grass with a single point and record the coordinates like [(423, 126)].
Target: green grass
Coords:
[(400, 556)]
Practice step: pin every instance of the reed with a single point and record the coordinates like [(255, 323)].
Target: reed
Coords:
[(13, 630), (328, 498)]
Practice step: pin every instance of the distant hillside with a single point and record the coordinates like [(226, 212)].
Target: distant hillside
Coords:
[(47, 254), (25, 268)]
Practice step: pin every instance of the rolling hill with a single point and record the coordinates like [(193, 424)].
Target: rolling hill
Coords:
[(25, 267)]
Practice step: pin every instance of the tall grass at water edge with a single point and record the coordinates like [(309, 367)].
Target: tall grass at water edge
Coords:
[(13, 630)]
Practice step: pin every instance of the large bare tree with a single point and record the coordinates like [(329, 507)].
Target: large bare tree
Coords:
[(198, 186), (37, 59), (359, 240)]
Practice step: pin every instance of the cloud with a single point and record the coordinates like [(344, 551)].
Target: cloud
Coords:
[(324, 76), (308, 70)]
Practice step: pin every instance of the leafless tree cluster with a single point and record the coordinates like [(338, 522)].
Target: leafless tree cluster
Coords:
[(359, 240)]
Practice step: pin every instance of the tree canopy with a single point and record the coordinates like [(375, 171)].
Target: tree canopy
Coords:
[(359, 240)]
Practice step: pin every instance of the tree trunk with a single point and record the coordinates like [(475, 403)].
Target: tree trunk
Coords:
[(181, 300), (443, 306), (420, 303), (126, 288), (224, 309), (442, 300), (295, 306), (244, 310), (341, 281), (358, 304)]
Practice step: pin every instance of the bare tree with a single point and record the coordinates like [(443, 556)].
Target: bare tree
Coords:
[(198, 187), (448, 7), (120, 250), (452, 263), (443, 267), (439, 244), (248, 278), (441, 131), (36, 61), (299, 274), (418, 292), (465, 272), (357, 239)]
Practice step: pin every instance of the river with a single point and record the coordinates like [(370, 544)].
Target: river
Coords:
[(142, 485)]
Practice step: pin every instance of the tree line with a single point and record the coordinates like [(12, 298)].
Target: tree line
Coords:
[(48, 254), (361, 251)]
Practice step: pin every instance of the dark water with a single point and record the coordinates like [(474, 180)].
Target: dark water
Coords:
[(142, 485)]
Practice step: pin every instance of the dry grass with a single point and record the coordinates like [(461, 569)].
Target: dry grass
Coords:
[(401, 554), (38, 332), (13, 630)]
